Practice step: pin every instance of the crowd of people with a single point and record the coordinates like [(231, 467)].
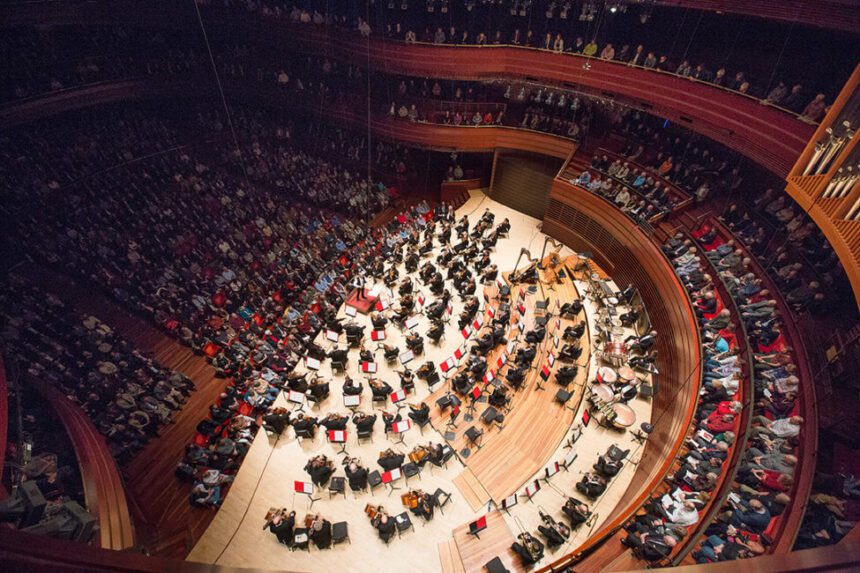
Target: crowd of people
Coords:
[(669, 516), (804, 265), (127, 395), (227, 267), (764, 477), (634, 191), (413, 26)]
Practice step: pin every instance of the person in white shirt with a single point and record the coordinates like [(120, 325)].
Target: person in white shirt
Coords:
[(684, 515), (623, 198), (782, 428)]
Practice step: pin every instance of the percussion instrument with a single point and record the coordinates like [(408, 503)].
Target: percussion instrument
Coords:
[(606, 375), (615, 353), (602, 392), (626, 374), (611, 301), (624, 415)]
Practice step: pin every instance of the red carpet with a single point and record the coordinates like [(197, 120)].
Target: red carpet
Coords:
[(363, 305)]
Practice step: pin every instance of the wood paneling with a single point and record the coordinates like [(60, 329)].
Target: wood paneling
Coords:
[(4, 419)]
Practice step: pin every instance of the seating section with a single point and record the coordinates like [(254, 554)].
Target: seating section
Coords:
[(764, 487), (127, 395), (674, 515)]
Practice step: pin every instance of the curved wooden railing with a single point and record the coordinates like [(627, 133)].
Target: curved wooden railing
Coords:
[(55, 556), (587, 222), (766, 134), (103, 487), (429, 135)]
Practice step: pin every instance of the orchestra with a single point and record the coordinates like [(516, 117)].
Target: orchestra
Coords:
[(465, 257)]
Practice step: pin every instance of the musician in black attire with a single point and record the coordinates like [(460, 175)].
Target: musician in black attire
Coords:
[(304, 423), (320, 469), (356, 475), (364, 422), (577, 511), (390, 460), (419, 414), (350, 388), (555, 532), (282, 525), (592, 485), (528, 548)]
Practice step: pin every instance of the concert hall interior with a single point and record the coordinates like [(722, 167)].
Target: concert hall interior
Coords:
[(440, 285)]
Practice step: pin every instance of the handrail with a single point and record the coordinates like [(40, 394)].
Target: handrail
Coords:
[(652, 294), (429, 135), (685, 196)]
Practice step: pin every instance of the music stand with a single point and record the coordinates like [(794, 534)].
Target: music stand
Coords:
[(397, 398), (532, 489), (338, 437), (400, 428), (509, 502), (474, 396), (389, 477), (305, 488), (455, 411), (478, 526), (297, 398)]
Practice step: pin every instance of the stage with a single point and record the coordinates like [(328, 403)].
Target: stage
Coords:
[(532, 437)]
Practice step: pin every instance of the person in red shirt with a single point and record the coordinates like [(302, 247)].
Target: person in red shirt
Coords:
[(718, 422)]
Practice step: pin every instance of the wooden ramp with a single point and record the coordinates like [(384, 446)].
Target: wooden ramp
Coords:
[(494, 541), (472, 489), (450, 557)]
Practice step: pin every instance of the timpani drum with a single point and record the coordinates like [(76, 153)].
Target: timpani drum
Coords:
[(602, 392), (626, 374), (624, 415), (606, 375), (615, 353)]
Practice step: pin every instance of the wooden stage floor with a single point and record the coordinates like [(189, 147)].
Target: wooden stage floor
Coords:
[(536, 424)]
